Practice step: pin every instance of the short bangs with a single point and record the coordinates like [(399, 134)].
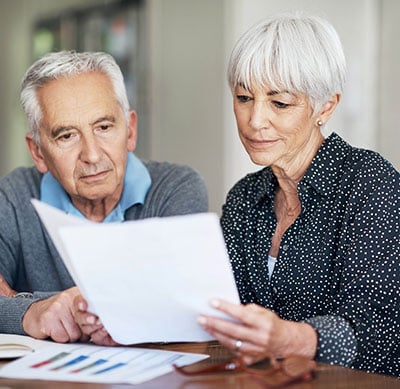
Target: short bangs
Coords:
[(292, 52)]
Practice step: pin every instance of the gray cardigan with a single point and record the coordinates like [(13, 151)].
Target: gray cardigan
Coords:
[(28, 259)]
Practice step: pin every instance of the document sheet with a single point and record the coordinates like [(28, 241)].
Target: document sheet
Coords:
[(147, 280), (15, 346), (89, 363)]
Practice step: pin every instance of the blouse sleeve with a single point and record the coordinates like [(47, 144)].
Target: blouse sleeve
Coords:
[(364, 330)]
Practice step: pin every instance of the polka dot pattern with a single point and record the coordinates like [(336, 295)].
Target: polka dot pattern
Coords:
[(338, 263)]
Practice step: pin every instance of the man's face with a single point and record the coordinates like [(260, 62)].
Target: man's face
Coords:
[(84, 138)]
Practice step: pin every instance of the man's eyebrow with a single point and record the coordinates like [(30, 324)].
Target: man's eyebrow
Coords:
[(103, 119), (59, 130)]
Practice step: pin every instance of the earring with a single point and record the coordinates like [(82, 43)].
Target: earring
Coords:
[(320, 123)]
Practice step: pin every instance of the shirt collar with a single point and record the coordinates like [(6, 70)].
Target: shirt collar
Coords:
[(137, 183), (328, 161)]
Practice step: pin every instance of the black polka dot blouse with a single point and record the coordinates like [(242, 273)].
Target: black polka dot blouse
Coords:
[(338, 264)]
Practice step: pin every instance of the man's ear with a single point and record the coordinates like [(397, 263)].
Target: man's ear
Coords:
[(328, 108), (132, 130), (36, 154)]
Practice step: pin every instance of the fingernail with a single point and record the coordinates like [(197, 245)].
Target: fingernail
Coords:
[(202, 320), (80, 306), (215, 303), (90, 320)]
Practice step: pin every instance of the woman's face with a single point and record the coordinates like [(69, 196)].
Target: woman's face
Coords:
[(277, 128)]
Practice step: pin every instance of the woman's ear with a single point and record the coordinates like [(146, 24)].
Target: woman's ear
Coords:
[(328, 108), (36, 154)]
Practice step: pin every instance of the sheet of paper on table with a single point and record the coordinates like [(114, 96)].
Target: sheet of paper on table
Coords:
[(15, 346), (147, 280), (89, 363)]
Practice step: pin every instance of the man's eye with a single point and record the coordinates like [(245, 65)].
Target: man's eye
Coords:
[(243, 98), (67, 139), (66, 136), (104, 127)]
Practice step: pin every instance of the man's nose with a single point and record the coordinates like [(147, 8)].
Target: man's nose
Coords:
[(91, 150)]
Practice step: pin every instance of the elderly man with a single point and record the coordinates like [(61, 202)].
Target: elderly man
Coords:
[(81, 137)]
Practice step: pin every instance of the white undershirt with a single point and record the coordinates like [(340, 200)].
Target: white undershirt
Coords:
[(271, 265)]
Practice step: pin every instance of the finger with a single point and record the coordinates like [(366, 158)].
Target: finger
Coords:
[(65, 330), (84, 338), (91, 329), (247, 314), (102, 338), (84, 319), (246, 347), (80, 304), (57, 332), (228, 328), (234, 310)]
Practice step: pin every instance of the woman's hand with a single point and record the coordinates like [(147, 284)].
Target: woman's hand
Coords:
[(256, 332), (90, 324)]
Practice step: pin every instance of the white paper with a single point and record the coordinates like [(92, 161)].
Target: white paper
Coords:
[(53, 219), (15, 346), (147, 280), (89, 363)]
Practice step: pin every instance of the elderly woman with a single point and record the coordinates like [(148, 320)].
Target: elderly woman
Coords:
[(314, 236)]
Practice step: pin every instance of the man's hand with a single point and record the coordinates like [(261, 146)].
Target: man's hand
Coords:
[(5, 289), (90, 324), (53, 318)]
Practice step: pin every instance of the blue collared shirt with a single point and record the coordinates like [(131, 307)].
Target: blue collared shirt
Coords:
[(137, 182)]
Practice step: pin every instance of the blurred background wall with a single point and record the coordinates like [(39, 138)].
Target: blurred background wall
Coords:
[(178, 52)]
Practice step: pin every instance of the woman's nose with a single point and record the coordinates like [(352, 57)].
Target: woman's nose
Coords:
[(259, 115)]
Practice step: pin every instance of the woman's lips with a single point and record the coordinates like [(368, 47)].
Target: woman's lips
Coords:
[(261, 143)]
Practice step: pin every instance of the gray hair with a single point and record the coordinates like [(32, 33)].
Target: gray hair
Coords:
[(291, 52), (63, 64)]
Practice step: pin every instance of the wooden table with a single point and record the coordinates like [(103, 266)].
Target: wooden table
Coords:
[(326, 376)]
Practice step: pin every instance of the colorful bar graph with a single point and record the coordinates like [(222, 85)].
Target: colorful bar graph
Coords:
[(50, 360), (87, 367), (74, 361)]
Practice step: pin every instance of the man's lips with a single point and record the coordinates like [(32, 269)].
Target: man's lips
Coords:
[(94, 176)]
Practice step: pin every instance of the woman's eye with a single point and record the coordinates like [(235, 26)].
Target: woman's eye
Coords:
[(243, 98), (279, 104)]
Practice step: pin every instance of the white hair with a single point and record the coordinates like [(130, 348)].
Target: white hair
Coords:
[(291, 52), (64, 64)]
